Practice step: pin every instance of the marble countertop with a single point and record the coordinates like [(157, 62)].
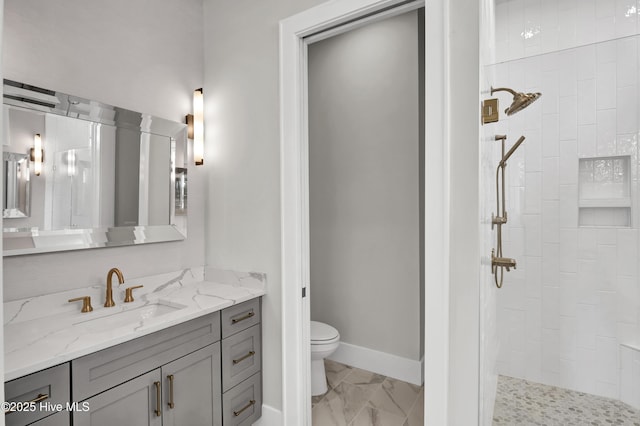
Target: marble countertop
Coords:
[(44, 331)]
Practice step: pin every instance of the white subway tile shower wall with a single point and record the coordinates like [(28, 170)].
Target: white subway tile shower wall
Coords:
[(531, 27), (575, 297)]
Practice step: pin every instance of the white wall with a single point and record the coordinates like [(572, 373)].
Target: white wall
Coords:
[(462, 102), (143, 56), (243, 145), (489, 157), (575, 296), (364, 185)]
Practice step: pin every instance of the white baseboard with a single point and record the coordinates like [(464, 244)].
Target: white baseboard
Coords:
[(270, 417), (400, 368)]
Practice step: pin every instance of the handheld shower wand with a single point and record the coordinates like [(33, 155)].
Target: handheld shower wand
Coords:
[(497, 260)]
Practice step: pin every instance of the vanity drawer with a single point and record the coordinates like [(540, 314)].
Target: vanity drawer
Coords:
[(242, 405), (240, 317), (52, 383), (241, 356), (63, 418), (105, 369)]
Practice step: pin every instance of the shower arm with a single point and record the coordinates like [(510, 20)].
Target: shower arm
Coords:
[(503, 89)]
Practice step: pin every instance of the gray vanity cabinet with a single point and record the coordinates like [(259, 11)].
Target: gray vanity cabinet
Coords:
[(183, 392), (206, 371), (59, 419), (133, 403), (191, 389), (241, 364)]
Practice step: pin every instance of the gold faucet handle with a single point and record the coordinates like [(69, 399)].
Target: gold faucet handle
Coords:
[(86, 303), (129, 293)]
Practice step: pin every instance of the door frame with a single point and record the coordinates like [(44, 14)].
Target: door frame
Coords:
[(296, 387)]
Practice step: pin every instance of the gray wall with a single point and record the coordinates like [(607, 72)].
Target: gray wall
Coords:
[(243, 134), (364, 183), (143, 56)]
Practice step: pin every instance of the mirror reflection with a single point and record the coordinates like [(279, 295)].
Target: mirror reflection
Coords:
[(16, 185), (108, 176)]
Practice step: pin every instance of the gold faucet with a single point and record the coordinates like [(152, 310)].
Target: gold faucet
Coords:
[(109, 298)]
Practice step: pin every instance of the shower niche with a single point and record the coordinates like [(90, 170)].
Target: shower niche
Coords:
[(604, 191)]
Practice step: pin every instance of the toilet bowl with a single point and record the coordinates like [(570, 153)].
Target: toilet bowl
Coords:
[(324, 341)]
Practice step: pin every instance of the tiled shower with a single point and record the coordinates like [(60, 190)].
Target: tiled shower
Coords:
[(569, 315)]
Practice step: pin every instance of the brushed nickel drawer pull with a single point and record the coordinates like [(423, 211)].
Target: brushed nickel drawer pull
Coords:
[(237, 320), (158, 410), (242, 358), (39, 398), (237, 413), (171, 404)]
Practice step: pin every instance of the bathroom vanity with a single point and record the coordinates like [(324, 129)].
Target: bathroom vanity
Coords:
[(198, 363)]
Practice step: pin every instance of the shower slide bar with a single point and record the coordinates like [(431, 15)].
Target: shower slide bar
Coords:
[(497, 259)]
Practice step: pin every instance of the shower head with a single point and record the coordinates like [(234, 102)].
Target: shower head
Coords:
[(520, 100)]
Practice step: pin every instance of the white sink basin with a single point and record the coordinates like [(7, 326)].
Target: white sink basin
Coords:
[(132, 316)]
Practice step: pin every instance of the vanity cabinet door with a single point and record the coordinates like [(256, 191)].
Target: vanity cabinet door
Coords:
[(137, 402), (191, 389)]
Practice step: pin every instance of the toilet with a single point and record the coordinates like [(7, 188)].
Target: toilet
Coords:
[(324, 341)]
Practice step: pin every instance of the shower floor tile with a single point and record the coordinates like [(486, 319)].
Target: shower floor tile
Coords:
[(520, 402), (357, 397)]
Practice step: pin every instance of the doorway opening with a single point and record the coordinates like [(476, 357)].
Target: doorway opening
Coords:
[(295, 203), (366, 221)]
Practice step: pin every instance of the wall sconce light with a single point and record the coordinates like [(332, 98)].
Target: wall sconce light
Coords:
[(195, 127), (37, 154), (71, 163)]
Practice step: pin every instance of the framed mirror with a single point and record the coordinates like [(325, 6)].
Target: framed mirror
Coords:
[(104, 176)]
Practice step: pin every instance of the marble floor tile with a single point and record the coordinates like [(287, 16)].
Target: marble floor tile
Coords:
[(317, 398), (328, 413), (395, 396), (352, 397), (370, 416), (335, 372), (353, 394), (364, 377), (416, 414)]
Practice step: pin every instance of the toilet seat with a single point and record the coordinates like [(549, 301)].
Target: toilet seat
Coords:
[(323, 334)]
